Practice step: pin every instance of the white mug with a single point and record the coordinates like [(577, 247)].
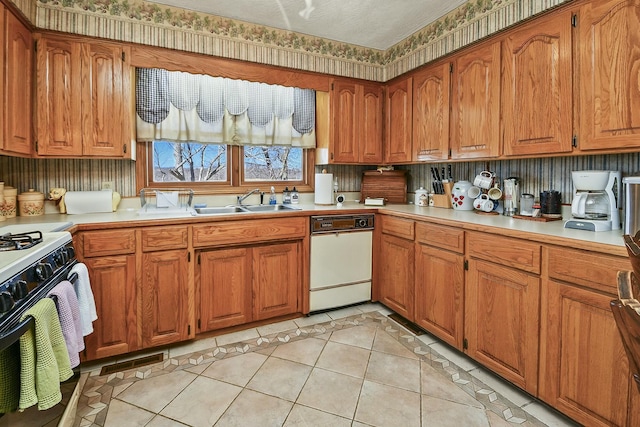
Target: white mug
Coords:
[(474, 191), (483, 203), (495, 193), (484, 180)]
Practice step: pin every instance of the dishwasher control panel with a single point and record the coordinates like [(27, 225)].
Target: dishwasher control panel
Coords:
[(341, 223)]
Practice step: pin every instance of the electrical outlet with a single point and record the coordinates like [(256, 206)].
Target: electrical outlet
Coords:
[(107, 185)]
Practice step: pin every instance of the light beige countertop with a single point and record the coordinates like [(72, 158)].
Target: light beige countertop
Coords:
[(546, 232)]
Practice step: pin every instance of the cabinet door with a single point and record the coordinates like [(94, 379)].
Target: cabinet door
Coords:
[(113, 281), (344, 122), (536, 87), (609, 36), (18, 87), (370, 135), (395, 273), (439, 293), (475, 127), (431, 95), (398, 115), (223, 282), (501, 321), (103, 106), (276, 278), (58, 99), (164, 297), (584, 371)]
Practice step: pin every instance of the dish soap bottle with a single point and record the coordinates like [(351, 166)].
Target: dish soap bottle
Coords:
[(295, 196), (272, 197), (286, 196)]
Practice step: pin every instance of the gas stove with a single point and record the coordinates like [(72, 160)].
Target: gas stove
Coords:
[(40, 258)]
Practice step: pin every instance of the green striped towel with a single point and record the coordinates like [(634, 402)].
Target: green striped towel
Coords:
[(9, 378)]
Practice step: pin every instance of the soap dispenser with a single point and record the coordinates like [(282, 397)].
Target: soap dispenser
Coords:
[(295, 196), (286, 196), (272, 197)]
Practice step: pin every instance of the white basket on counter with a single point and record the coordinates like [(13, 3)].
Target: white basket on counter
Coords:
[(155, 201)]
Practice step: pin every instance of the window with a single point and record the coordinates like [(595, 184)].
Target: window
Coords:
[(218, 168)]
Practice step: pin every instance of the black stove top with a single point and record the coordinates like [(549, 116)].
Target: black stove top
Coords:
[(18, 241)]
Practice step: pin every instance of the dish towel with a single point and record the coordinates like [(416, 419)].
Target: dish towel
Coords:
[(86, 302), (69, 315), (44, 360), (9, 378)]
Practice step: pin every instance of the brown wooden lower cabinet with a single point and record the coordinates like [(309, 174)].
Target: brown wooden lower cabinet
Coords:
[(585, 372), (276, 279), (501, 321), (439, 293), (395, 274), (165, 297), (240, 285), (223, 288), (113, 281)]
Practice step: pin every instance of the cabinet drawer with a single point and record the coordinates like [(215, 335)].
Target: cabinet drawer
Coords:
[(242, 232), (161, 238), (514, 253), (108, 242), (397, 227), (591, 269), (440, 236)]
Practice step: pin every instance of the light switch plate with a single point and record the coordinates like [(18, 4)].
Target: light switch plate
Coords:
[(107, 185)]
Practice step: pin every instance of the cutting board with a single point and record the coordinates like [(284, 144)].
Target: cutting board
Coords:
[(389, 185)]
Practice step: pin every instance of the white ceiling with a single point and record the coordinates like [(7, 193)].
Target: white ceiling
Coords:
[(377, 24)]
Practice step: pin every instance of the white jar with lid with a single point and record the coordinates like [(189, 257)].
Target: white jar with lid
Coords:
[(421, 197), (31, 203)]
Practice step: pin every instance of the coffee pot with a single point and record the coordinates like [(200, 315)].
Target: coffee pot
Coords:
[(595, 200)]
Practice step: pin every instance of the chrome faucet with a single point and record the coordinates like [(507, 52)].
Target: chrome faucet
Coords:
[(247, 194)]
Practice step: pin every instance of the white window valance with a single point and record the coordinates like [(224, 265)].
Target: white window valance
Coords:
[(182, 107)]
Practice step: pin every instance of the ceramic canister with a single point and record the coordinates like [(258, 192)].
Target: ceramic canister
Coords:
[(460, 199), (9, 205), (31, 203), (421, 197)]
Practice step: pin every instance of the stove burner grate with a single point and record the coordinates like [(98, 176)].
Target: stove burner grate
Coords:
[(13, 242)]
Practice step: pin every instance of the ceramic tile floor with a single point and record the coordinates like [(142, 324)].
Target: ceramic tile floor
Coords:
[(348, 367)]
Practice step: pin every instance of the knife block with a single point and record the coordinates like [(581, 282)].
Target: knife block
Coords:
[(443, 200)]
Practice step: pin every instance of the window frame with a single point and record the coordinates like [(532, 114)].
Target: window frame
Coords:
[(235, 174)]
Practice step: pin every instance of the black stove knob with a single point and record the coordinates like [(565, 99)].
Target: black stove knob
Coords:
[(19, 290), (43, 271), (6, 302), (60, 257), (70, 251)]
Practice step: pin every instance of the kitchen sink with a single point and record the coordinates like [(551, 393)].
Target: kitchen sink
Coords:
[(226, 210), (269, 208), (220, 210)]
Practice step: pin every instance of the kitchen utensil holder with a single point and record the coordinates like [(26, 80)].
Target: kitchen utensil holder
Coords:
[(443, 200)]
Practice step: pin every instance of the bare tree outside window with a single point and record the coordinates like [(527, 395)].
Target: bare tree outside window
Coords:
[(194, 162)]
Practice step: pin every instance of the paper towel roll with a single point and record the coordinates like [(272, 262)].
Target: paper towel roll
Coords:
[(82, 202), (324, 189)]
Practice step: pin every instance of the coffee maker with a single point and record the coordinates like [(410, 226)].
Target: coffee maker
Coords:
[(596, 197)]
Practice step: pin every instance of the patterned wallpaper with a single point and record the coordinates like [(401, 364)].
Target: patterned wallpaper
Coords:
[(535, 175), (147, 23)]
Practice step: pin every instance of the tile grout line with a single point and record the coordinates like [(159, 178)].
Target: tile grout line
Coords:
[(430, 356)]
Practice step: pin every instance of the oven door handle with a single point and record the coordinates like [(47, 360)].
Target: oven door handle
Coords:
[(7, 339)]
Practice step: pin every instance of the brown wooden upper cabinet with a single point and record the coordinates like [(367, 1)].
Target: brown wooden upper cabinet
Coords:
[(17, 45), (475, 102), (83, 99), (399, 104), (536, 87), (431, 96), (609, 71), (356, 122)]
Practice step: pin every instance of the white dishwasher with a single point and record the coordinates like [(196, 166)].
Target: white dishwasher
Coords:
[(340, 265)]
